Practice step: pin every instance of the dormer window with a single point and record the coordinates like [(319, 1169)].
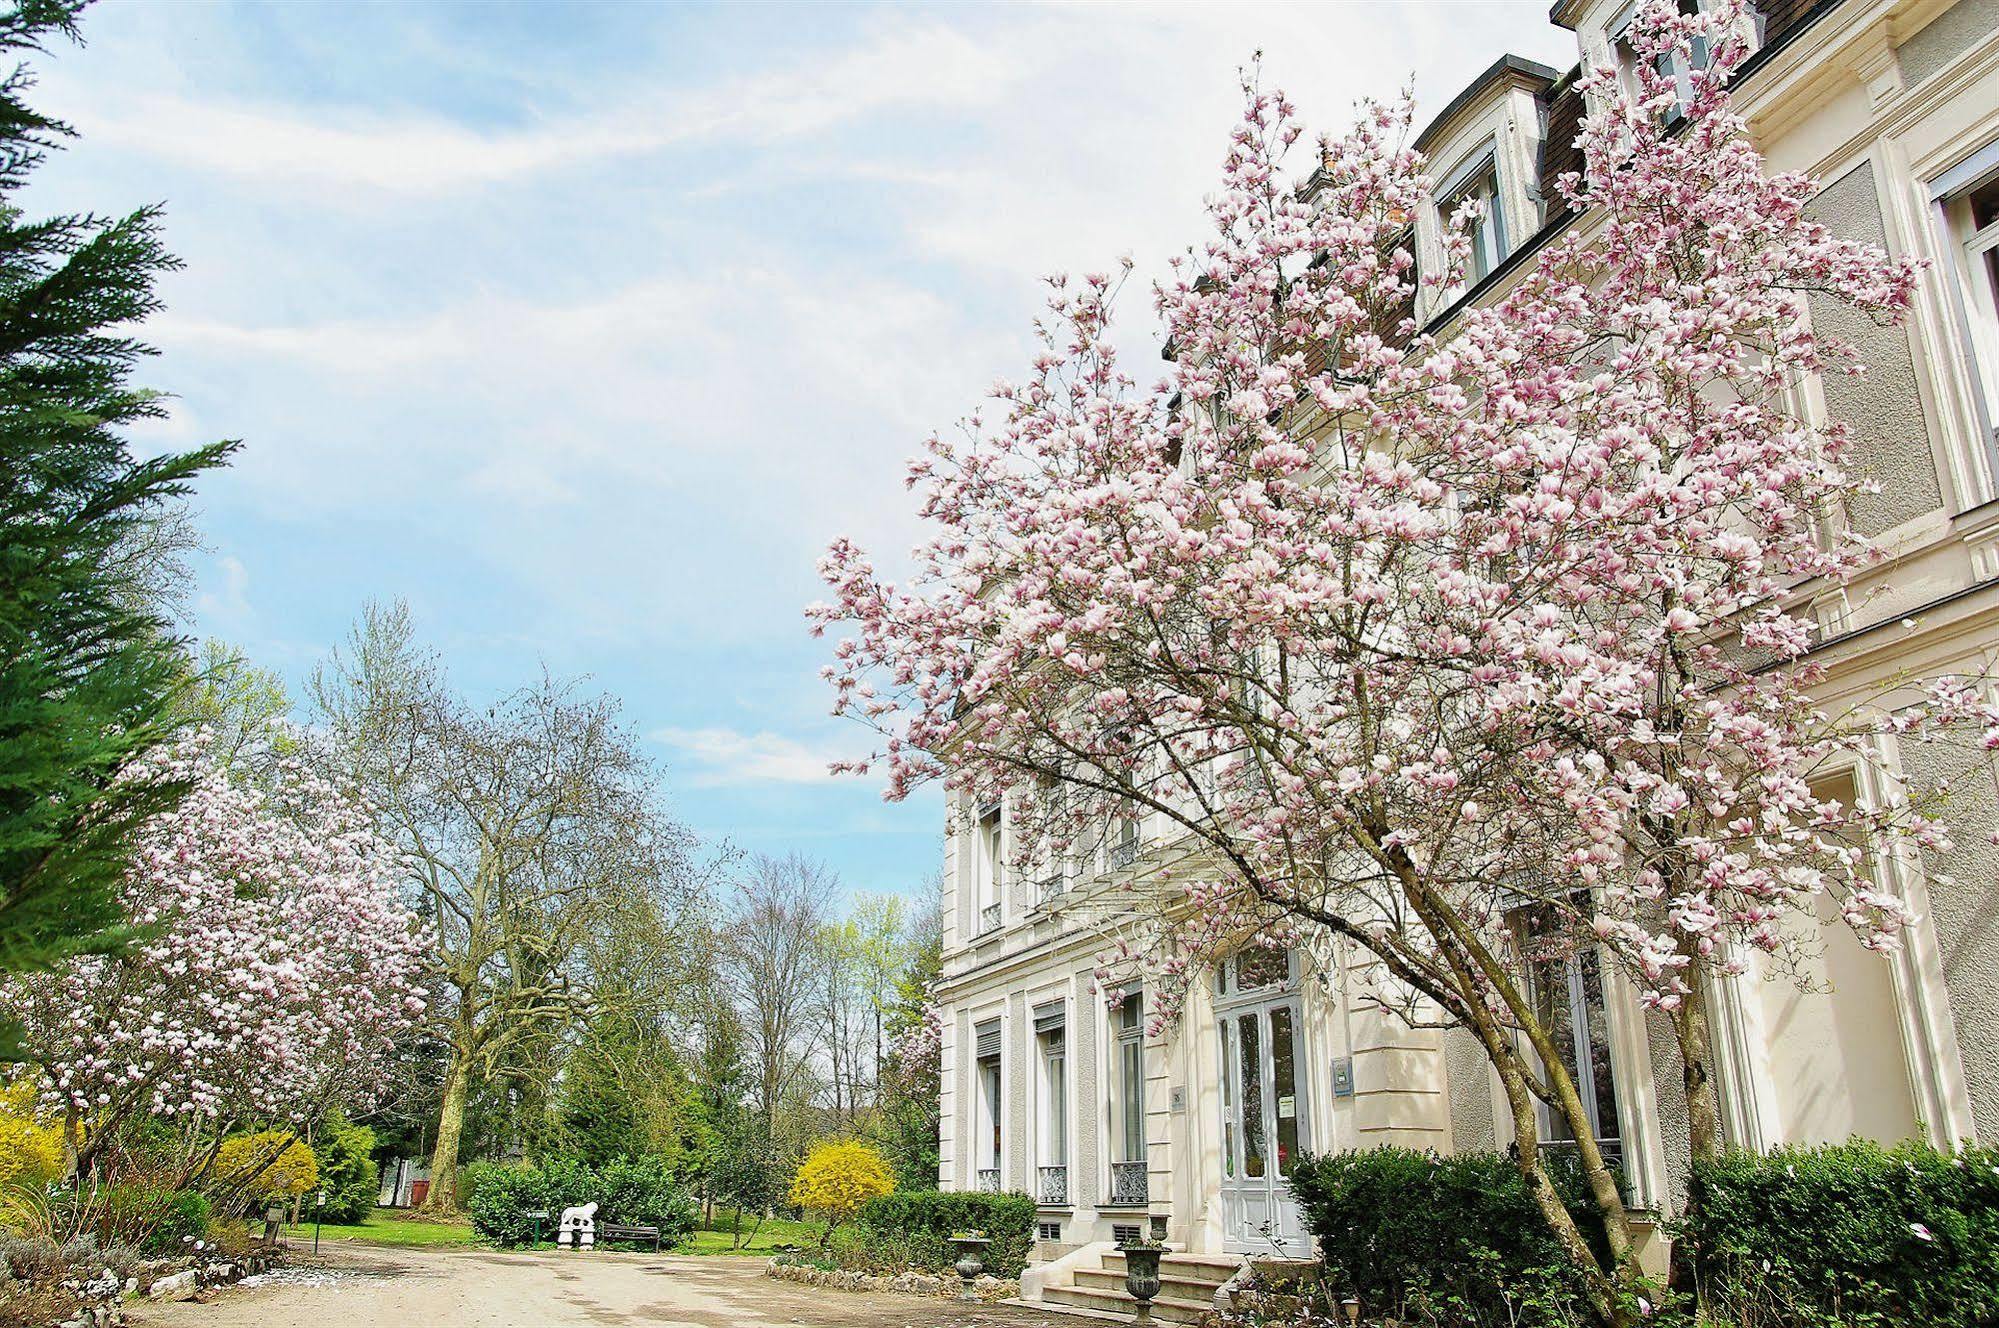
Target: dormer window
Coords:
[(1678, 66), (1475, 186)]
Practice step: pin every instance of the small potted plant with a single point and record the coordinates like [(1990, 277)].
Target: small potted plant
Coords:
[(971, 1246)]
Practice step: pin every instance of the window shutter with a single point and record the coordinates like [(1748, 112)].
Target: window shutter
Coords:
[(987, 1039), (1050, 1018)]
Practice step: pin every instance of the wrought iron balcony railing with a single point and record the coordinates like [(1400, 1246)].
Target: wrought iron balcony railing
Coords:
[(1055, 1185), (1051, 887), (989, 919), (1127, 1183), (1612, 1149), (989, 1179), (1124, 853)]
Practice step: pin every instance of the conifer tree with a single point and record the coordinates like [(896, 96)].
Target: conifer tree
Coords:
[(87, 664)]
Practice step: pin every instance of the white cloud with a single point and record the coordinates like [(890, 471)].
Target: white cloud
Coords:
[(899, 67), (225, 609), (728, 756)]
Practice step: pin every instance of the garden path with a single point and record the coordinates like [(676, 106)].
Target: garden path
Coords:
[(378, 1287)]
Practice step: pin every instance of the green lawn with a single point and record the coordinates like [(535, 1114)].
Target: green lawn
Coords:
[(774, 1232), (389, 1226)]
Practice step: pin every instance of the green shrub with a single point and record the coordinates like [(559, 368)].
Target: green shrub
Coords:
[(911, 1229), (644, 1192), (471, 1176), (507, 1195), (153, 1221), (1422, 1237), (1847, 1234), (347, 1171), (638, 1191)]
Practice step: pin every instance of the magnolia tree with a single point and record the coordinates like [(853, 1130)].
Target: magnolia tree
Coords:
[(1469, 648), (276, 967)]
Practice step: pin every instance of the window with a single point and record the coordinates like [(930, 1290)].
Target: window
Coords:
[(1124, 843), (1127, 1082), (1253, 967), (990, 868), (1675, 65), (1476, 186), (1054, 866), (1052, 1116), (1565, 984), (989, 1105), (1968, 200)]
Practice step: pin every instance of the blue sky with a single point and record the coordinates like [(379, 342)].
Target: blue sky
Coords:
[(584, 328)]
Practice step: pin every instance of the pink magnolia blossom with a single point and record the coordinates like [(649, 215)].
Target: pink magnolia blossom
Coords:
[(276, 963), (1513, 612)]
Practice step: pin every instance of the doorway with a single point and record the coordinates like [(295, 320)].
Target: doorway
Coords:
[(1264, 1108)]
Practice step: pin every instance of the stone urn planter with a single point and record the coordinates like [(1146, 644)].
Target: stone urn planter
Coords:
[(1141, 1277), (971, 1247)]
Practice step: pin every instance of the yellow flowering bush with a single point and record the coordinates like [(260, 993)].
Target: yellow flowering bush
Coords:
[(30, 1147), (294, 1171), (837, 1178)]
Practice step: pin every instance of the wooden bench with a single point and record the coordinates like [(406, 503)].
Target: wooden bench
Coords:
[(607, 1231)]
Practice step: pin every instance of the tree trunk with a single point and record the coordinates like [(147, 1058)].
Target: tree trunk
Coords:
[(1695, 1033), (1476, 970), (443, 1196)]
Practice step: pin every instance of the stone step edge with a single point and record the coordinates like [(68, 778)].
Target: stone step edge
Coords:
[(1206, 1286), (1105, 1293)]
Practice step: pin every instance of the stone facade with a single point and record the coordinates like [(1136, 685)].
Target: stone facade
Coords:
[(1895, 105)]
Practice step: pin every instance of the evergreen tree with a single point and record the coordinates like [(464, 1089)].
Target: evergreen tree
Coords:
[(87, 667)]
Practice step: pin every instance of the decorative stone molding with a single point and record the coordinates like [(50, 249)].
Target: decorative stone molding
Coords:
[(1874, 63)]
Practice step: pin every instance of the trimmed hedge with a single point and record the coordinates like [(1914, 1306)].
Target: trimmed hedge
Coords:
[(1434, 1239), (639, 1191), (1847, 1234), (912, 1229)]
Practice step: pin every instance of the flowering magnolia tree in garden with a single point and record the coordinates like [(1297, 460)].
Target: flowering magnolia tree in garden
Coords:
[(1468, 648), (275, 968)]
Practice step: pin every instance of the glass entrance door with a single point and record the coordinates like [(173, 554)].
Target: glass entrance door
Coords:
[(1263, 1122)]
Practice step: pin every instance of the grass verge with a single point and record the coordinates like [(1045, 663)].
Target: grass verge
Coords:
[(389, 1226), (775, 1232)]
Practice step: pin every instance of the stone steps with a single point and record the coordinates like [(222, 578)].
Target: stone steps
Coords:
[(1103, 1300), (1178, 1288), (1187, 1285), (1213, 1269)]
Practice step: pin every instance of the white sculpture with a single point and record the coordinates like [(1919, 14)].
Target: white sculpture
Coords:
[(578, 1227)]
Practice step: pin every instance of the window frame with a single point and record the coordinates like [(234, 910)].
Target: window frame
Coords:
[(1612, 1136), (1052, 1096), (989, 867), (1125, 1142), (1479, 166), (988, 1151), (1971, 271)]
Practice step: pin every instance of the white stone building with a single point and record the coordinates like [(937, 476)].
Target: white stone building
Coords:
[(1894, 105)]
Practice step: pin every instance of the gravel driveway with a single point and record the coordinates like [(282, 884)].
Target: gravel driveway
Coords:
[(357, 1286)]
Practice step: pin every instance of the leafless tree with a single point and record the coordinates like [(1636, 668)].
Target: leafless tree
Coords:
[(772, 965), (533, 837)]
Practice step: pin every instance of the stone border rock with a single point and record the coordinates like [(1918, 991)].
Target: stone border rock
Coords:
[(909, 1283)]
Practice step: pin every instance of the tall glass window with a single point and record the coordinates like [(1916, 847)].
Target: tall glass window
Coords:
[(990, 1105), (1128, 1154), (1566, 987), (1052, 1116)]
